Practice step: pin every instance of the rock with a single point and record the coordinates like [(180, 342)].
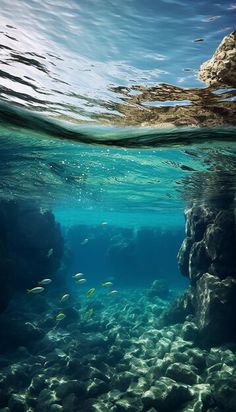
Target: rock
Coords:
[(96, 387), (115, 355), (18, 376), (94, 405), (55, 407), (183, 256), (196, 220), (189, 331), (182, 373), (27, 234), (37, 385), (199, 261), (17, 403), (220, 237), (197, 357), (215, 309), (181, 308), (210, 242), (220, 69), (93, 373), (123, 380), (44, 401), (207, 253), (71, 403), (224, 393), (166, 395), (129, 404), (72, 386), (213, 357)]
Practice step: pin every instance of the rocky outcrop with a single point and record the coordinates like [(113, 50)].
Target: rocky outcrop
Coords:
[(207, 256), (210, 243), (220, 69), (31, 247)]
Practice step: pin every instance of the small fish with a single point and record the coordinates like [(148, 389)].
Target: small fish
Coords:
[(104, 224), (60, 353), (106, 284), (44, 281), (78, 276), (198, 40), (84, 242), (50, 252), (64, 298), (89, 313), (60, 316), (38, 289), (90, 292), (113, 292), (81, 281)]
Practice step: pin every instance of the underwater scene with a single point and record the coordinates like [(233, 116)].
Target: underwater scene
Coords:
[(118, 206)]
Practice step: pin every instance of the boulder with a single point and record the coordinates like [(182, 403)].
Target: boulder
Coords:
[(166, 395)]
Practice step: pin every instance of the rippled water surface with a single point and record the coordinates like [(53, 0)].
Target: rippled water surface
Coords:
[(102, 110)]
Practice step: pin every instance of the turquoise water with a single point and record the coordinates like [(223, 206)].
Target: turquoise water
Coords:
[(107, 135)]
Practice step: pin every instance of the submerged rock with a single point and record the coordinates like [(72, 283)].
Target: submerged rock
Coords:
[(224, 391), (182, 374), (181, 308), (166, 395), (215, 309), (207, 256), (17, 403)]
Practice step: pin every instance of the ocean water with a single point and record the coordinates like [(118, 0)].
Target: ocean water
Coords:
[(107, 136)]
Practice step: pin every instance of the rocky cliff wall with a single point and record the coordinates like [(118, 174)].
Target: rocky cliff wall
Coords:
[(208, 258), (31, 247)]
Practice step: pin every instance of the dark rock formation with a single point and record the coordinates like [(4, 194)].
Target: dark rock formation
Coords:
[(207, 256), (210, 244), (178, 312), (31, 247)]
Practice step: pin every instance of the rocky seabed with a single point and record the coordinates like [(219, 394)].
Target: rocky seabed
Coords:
[(118, 359)]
